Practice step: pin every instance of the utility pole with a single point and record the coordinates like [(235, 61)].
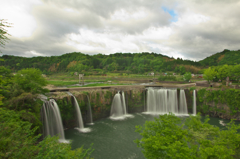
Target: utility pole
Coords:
[(81, 80)]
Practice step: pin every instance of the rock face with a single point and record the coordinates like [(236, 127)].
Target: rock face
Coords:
[(100, 101), (135, 97), (221, 110), (217, 105)]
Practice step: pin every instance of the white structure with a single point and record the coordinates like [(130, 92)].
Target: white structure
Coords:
[(81, 80)]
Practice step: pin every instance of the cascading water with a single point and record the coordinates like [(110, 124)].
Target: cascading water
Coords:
[(124, 104), (172, 101), (182, 103), (144, 97), (151, 101), (90, 112), (118, 108), (162, 101), (52, 121), (194, 103), (80, 126)]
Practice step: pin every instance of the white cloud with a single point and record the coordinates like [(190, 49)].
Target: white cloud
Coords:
[(33, 53), (54, 27), (19, 14)]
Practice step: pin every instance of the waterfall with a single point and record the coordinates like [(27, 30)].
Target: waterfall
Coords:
[(151, 100), (52, 121), (194, 103), (90, 112), (144, 100), (172, 101), (118, 107), (163, 101), (182, 103), (80, 126), (124, 104)]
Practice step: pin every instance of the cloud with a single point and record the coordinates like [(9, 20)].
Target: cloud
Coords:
[(188, 29)]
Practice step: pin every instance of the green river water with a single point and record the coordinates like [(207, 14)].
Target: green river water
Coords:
[(114, 139)]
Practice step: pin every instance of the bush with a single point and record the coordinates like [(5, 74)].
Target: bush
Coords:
[(167, 78), (30, 80), (187, 76), (169, 137), (17, 140)]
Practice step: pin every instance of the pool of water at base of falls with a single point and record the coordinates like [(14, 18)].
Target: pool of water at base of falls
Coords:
[(115, 139)]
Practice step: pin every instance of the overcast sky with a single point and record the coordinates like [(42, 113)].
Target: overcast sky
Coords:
[(189, 29)]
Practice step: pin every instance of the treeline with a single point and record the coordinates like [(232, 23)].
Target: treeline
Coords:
[(119, 62), (222, 58), (79, 62), (220, 73)]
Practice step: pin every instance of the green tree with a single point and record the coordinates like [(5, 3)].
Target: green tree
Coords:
[(20, 94), (182, 70), (169, 137), (209, 74), (236, 72), (3, 32), (30, 80), (223, 72), (187, 76), (5, 81), (17, 140)]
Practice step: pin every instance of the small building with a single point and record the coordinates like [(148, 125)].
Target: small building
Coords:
[(75, 73)]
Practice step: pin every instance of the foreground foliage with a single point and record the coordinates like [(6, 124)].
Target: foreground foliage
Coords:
[(3, 32), (17, 140), (20, 119), (20, 93), (169, 137)]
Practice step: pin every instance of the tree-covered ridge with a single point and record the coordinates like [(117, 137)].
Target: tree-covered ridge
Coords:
[(70, 62), (225, 57)]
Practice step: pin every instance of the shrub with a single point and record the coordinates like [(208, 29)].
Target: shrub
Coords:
[(169, 137)]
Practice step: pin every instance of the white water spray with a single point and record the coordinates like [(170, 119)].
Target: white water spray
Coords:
[(118, 108), (164, 101), (80, 126), (194, 103), (52, 121)]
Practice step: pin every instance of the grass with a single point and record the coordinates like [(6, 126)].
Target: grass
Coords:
[(98, 84), (65, 79), (67, 83), (62, 83)]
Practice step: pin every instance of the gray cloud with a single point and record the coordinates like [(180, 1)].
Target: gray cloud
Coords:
[(202, 28)]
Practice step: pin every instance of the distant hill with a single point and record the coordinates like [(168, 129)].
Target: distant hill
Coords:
[(222, 58), (118, 62)]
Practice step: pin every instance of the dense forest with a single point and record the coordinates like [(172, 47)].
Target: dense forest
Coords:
[(225, 57), (127, 62), (137, 63)]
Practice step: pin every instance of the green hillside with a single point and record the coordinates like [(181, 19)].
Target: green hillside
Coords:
[(118, 62), (222, 58)]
